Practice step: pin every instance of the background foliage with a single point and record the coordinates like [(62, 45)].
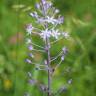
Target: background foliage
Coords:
[(80, 21)]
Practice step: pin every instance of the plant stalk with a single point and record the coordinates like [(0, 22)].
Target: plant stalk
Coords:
[(48, 63), (47, 45)]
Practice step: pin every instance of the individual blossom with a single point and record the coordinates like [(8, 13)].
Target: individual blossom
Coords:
[(55, 33), (29, 29), (51, 20), (46, 6), (54, 21), (34, 14), (60, 20), (40, 20), (45, 34), (66, 35), (48, 19)]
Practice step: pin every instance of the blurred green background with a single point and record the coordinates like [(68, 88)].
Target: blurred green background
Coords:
[(80, 21)]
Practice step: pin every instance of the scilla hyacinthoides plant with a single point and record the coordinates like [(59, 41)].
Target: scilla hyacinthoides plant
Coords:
[(48, 18)]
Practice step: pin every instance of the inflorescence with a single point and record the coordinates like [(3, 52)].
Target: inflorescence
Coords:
[(48, 18)]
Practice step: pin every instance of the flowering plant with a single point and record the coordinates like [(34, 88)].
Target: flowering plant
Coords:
[(48, 18)]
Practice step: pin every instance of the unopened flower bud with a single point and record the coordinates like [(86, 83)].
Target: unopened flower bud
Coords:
[(56, 11), (28, 41), (31, 55), (32, 81), (70, 81), (29, 74), (26, 94), (65, 50), (64, 89), (45, 62), (43, 87), (38, 6), (43, 1), (60, 20), (28, 61), (62, 57), (30, 47)]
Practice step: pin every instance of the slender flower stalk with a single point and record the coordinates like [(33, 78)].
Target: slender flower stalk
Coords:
[(49, 20), (48, 63), (56, 56)]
